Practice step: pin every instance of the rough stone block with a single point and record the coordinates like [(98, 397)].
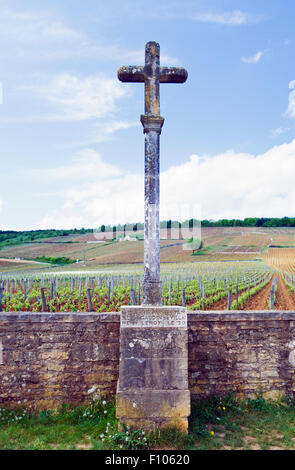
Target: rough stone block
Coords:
[(149, 409), (153, 373), (158, 373)]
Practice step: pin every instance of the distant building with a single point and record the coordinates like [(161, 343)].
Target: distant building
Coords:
[(128, 239)]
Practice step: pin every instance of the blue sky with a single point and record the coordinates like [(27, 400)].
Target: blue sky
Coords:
[(71, 144)]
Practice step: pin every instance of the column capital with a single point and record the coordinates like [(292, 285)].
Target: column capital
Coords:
[(151, 122)]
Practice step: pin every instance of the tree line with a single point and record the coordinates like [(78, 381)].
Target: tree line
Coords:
[(252, 222), (12, 237), (247, 222)]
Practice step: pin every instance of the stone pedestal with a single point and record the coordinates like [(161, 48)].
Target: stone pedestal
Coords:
[(152, 390)]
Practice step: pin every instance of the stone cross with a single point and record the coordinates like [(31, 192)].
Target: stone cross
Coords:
[(151, 74)]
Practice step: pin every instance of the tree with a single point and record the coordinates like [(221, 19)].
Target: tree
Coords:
[(169, 225), (194, 244)]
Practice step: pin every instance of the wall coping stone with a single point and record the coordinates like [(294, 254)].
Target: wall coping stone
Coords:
[(114, 317), (238, 315)]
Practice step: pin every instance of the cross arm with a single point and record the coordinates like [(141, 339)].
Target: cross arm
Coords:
[(173, 75), (131, 73), (138, 74)]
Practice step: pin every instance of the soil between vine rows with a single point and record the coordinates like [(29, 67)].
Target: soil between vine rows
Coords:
[(285, 299), (259, 301)]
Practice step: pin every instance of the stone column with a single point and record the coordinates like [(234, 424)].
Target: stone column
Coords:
[(152, 388), (152, 287)]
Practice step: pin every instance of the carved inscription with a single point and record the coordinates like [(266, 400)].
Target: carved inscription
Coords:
[(153, 319)]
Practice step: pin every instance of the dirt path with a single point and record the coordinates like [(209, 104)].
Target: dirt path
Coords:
[(285, 300), (259, 301)]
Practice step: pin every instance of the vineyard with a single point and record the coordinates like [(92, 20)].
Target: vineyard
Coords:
[(239, 268), (207, 286)]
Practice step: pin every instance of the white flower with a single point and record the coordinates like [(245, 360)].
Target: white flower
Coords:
[(104, 402), (134, 405), (105, 412), (102, 435), (92, 389)]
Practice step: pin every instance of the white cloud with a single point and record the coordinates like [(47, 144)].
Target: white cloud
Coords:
[(254, 59), (1, 205), (1, 93), (232, 185), (56, 222), (104, 201), (231, 18), (280, 131), (136, 57), (235, 184), (104, 131), (39, 35), (32, 30), (86, 165), (74, 99), (290, 112)]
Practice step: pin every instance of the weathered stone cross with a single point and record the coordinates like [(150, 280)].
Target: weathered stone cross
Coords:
[(152, 75)]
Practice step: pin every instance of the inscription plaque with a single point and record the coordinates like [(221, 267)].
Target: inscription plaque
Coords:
[(149, 318)]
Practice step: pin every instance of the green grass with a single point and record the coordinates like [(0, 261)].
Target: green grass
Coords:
[(251, 424), (215, 423), (70, 427)]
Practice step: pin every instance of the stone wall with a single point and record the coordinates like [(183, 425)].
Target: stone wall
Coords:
[(56, 358), (246, 352), (46, 359)]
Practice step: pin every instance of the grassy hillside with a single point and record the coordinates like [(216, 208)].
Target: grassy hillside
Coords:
[(219, 244)]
